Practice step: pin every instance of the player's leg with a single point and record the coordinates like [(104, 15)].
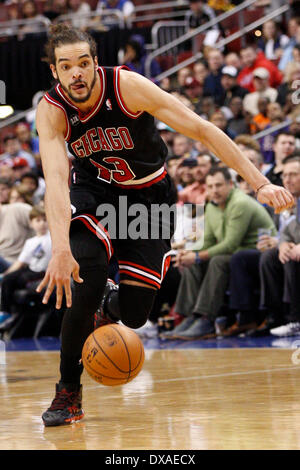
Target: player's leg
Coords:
[(142, 266), (78, 323), (131, 303)]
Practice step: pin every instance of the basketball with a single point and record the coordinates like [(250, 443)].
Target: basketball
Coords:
[(113, 355)]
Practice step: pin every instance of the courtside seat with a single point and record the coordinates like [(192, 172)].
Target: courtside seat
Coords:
[(31, 316)]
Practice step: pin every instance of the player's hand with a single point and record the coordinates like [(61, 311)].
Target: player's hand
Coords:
[(285, 251), (275, 196), (58, 275)]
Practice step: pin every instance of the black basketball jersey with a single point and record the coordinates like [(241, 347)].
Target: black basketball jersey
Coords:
[(111, 142)]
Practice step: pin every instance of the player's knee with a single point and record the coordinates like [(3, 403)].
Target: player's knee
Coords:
[(88, 250), (135, 304)]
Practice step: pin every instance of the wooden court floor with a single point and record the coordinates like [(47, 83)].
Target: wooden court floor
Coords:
[(183, 399)]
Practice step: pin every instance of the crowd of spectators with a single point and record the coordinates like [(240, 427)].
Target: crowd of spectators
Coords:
[(236, 271)]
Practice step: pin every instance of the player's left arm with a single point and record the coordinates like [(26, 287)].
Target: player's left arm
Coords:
[(140, 94)]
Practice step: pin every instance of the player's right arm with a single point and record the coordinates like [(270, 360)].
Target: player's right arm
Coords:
[(50, 122)]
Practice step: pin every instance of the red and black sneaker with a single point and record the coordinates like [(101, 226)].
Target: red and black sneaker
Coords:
[(100, 317), (66, 406)]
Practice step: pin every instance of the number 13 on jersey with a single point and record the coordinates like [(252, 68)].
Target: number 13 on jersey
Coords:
[(120, 173)]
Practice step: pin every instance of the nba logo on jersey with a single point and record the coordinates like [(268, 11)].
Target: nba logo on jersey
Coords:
[(74, 120), (108, 105)]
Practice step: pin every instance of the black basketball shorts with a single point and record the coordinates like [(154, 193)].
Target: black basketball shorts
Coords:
[(134, 225)]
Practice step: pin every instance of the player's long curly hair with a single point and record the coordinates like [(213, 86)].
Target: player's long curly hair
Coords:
[(62, 34)]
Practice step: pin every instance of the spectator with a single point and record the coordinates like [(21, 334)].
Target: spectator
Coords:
[(284, 146), (292, 75), (172, 163), (195, 193), (55, 8), (194, 91), (14, 231), (261, 79), (237, 124), (181, 77), (200, 72), (6, 170), (5, 188), (244, 269), (231, 222), (275, 113), (19, 193), (295, 130), (20, 167), (279, 267), (212, 83), (28, 143), (79, 11), (230, 86), (199, 13), (125, 6), (29, 11), (260, 120), (251, 60), (207, 107), (135, 56), (12, 149), (218, 118), (34, 185), (182, 146), (30, 265), (184, 172), (233, 60), (272, 41), (294, 34)]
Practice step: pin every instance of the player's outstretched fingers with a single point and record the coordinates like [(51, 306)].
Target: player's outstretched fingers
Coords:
[(68, 293), (59, 295), (48, 292), (43, 283)]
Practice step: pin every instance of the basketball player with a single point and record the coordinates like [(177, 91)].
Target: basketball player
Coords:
[(106, 117)]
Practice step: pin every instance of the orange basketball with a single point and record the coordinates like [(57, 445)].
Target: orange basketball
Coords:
[(113, 354)]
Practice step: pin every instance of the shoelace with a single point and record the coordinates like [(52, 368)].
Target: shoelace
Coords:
[(63, 399)]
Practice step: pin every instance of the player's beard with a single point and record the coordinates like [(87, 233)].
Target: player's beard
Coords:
[(84, 98)]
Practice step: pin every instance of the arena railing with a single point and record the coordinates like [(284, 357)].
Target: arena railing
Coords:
[(106, 17), (13, 27), (190, 34), (219, 45), (180, 5), (16, 118), (271, 130)]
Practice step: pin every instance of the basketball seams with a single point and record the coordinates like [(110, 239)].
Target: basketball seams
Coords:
[(141, 350), (125, 345), (128, 340), (107, 357)]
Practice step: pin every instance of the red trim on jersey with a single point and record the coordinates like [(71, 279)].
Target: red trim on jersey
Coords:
[(165, 269), (85, 117), (118, 94), (143, 268), (52, 101), (145, 185), (138, 276), (109, 248)]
